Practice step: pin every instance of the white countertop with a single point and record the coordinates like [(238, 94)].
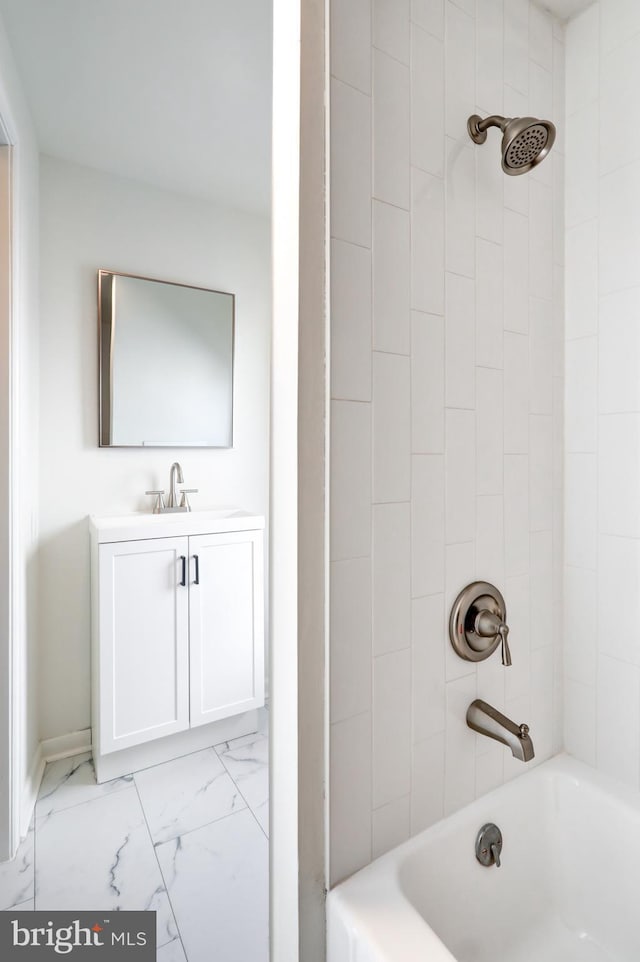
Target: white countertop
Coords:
[(143, 524)]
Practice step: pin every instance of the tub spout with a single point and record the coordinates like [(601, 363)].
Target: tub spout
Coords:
[(487, 720)]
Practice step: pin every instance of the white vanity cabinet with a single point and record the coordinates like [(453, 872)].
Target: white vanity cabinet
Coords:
[(225, 605), (143, 642), (178, 629)]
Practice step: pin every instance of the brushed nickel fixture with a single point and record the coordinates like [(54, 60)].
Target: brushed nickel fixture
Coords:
[(487, 720), (175, 475), (478, 623), (489, 845), (526, 141)]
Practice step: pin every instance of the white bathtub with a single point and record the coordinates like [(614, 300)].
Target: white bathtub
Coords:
[(568, 889)]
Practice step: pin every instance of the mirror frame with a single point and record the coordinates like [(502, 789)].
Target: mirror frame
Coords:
[(106, 333)]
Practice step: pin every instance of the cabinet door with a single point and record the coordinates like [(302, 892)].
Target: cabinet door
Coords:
[(226, 617), (143, 684)]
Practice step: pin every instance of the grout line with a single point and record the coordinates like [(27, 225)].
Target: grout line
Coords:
[(254, 736), (398, 798), (351, 243), (213, 820), (347, 83), (249, 808), (87, 801), (165, 944), (17, 906), (164, 882), (190, 831), (378, 350), (413, 166), (391, 56)]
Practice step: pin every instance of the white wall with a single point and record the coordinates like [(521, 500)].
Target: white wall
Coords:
[(21, 344), (446, 418), (91, 220), (602, 659)]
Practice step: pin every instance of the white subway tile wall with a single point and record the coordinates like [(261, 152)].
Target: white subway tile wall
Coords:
[(602, 580), (447, 349)]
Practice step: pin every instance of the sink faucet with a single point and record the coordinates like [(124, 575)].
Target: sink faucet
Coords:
[(174, 475), (487, 720)]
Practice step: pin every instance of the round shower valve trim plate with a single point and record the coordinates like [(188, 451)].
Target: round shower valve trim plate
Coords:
[(479, 601)]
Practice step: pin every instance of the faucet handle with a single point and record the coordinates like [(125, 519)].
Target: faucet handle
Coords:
[(159, 502), (488, 624), (503, 631), (184, 501)]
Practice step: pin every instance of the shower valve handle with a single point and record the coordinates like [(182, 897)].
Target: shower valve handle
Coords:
[(488, 625), (506, 652)]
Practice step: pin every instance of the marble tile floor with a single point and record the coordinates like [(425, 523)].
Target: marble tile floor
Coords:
[(188, 838)]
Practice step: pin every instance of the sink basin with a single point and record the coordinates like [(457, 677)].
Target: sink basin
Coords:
[(144, 524)]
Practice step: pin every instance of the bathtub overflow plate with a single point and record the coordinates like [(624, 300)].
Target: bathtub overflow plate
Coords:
[(489, 845)]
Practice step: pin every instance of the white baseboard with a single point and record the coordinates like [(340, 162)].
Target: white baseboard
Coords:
[(31, 789), (49, 750), (64, 746)]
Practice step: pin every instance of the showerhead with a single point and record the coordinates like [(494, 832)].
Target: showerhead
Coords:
[(526, 141)]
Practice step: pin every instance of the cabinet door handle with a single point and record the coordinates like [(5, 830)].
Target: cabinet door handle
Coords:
[(183, 580), (197, 578)]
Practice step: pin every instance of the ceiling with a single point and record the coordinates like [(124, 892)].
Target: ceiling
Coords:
[(176, 93), (565, 9)]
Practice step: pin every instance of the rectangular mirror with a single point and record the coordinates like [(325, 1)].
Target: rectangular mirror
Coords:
[(166, 363)]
